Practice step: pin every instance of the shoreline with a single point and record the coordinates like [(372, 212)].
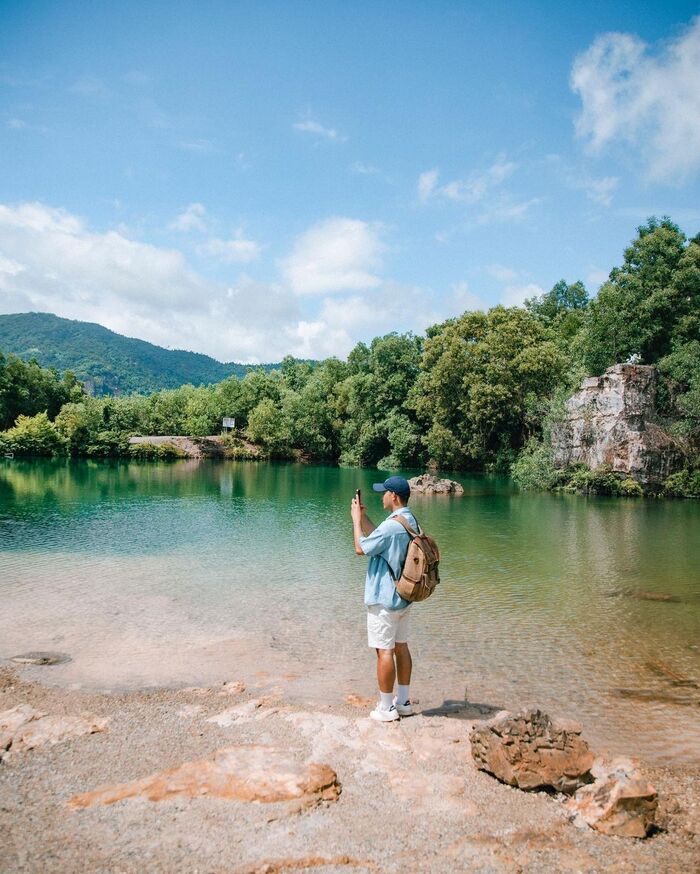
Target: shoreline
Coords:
[(409, 793)]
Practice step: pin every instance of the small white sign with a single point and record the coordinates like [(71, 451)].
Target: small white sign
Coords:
[(229, 423)]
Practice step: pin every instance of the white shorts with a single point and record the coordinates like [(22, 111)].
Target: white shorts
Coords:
[(387, 627)]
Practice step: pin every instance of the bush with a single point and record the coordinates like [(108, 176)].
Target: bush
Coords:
[(630, 488), (156, 452), (239, 450), (34, 436), (685, 484), (534, 468)]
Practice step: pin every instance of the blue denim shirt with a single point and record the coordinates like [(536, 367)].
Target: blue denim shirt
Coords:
[(386, 546)]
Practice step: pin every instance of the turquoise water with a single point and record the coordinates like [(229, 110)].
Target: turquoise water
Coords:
[(188, 573)]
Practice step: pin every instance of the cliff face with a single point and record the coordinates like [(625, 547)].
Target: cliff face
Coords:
[(613, 421)]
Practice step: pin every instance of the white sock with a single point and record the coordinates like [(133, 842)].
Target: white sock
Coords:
[(387, 700), (402, 696)]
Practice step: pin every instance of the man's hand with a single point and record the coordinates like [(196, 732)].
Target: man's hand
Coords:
[(357, 510)]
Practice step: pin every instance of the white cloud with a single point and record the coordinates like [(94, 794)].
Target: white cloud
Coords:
[(338, 254), (89, 86), (192, 218), (362, 169), (482, 189), (652, 102), (235, 250), (503, 209), (10, 267), (16, 124), (427, 182), (501, 273), (135, 288), (310, 126), (515, 295), (477, 185), (200, 146), (596, 277), (462, 298)]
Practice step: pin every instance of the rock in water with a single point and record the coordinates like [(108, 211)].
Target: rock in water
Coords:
[(41, 658), (238, 773), (620, 802), (428, 484), (530, 751)]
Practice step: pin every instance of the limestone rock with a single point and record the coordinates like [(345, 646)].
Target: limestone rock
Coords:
[(12, 720), (612, 421), (24, 728), (530, 751), (238, 773), (54, 729), (620, 801), (429, 484)]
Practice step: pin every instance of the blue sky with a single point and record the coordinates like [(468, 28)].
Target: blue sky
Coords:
[(253, 179)]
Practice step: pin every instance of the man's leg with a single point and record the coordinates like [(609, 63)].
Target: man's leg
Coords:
[(404, 663), (386, 673)]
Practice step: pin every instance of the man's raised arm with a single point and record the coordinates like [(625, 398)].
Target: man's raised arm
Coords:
[(362, 525)]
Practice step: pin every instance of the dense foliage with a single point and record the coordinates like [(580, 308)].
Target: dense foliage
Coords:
[(106, 362), (480, 391)]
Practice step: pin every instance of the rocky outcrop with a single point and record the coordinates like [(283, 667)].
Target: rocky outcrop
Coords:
[(530, 751), (620, 801), (23, 728), (428, 484), (247, 772), (612, 421)]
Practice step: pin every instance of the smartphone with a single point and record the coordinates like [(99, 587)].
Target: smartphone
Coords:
[(358, 496)]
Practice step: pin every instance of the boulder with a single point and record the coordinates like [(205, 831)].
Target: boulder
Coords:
[(620, 801), (612, 422), (429, 484), (246, 772), (530, 751)]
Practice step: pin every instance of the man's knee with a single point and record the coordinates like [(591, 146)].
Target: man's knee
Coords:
[(401, 647), (385, 653)]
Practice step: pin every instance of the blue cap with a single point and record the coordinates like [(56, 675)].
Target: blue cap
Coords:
[(396, 484)]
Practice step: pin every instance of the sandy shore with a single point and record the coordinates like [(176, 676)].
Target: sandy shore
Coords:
[(410, 799)]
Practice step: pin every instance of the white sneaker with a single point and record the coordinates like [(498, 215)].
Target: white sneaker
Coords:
[(403, 709), (381, 715)]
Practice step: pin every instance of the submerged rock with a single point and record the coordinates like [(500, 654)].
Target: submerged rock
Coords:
[(238, 773), (429, 484), (530, 751), (620, 801), (41, 658)]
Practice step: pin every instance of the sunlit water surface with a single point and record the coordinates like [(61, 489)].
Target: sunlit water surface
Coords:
[(190, 573)]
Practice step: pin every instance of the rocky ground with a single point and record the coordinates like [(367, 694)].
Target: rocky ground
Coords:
[(236, 779)]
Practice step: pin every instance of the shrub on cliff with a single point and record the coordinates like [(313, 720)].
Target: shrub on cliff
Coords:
[(684, 484)]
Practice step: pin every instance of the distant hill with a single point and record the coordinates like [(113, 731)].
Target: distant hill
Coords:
[(108, 363)]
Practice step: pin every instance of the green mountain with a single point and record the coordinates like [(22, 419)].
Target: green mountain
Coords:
[(108, 363)]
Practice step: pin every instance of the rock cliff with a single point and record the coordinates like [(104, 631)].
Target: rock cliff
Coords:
[(612, 421)]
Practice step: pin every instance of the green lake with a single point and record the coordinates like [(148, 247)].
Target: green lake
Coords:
[(197, 572)]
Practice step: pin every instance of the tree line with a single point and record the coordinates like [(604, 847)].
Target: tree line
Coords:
[(477, 392)]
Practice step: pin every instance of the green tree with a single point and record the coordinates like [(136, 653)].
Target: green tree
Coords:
[(269, 427), (482, 374), (650, 301)]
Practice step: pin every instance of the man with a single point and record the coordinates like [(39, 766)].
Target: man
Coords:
[(387, 612)]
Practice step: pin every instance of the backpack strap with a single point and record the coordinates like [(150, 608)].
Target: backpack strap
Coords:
[(411, 533)]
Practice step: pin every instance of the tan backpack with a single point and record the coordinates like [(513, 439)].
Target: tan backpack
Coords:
[(420, 573)]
